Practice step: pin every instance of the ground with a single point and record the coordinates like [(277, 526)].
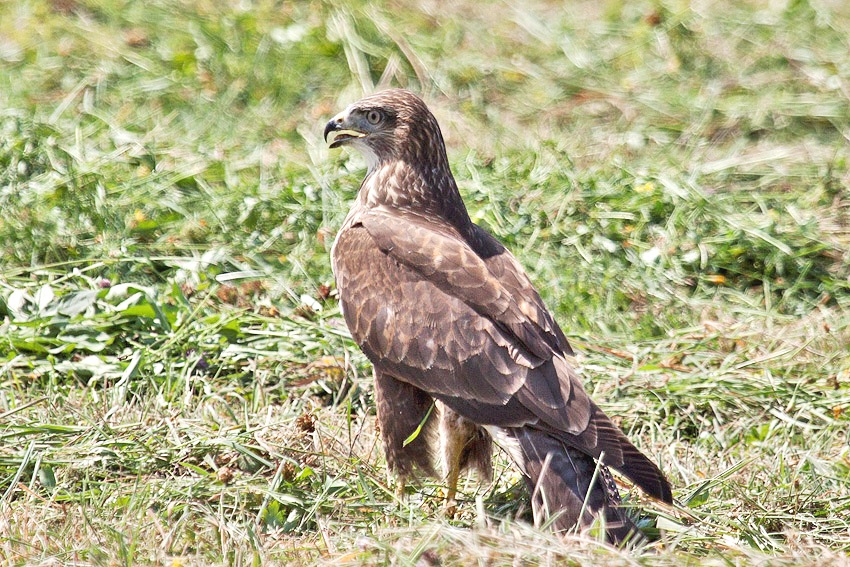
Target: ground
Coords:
[(176, 383)]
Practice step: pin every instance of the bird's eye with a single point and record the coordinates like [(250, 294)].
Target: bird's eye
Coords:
[(374, 116)]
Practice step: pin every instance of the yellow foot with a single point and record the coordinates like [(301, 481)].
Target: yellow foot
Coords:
[(451, 503), (399, 490)]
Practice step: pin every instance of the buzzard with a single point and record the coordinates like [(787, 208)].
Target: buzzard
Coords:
[(464, 351)]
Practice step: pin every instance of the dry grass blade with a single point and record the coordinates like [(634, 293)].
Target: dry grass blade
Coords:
[(176, 382)]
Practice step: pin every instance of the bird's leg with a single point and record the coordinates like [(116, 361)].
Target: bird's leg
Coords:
[(399, 488), (454, 435), (406, 427), (452, 476)]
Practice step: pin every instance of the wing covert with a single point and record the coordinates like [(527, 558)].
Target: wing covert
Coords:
[(445, 258), (410, 325)]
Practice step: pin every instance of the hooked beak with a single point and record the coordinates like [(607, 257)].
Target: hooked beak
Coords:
[(344, 133)]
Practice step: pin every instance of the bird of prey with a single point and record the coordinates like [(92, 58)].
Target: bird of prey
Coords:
[(464, 350)]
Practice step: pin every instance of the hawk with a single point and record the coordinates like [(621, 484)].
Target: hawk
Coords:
[(464, 351)]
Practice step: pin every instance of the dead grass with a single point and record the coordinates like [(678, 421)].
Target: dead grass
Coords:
[(176, 384)]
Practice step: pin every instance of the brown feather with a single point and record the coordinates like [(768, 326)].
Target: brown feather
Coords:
[(445, 312), (402, 408)]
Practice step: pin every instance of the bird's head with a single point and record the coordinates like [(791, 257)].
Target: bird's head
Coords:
[(390, 125)]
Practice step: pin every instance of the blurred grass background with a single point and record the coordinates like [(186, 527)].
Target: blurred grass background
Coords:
[(176, 383)]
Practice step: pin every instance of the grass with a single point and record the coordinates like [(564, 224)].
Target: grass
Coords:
[(177, 386)]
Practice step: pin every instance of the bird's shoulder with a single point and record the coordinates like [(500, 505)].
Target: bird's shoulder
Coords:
[(504, 266), (470, 265)]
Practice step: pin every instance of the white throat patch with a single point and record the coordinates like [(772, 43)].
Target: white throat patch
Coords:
[(368, 154)]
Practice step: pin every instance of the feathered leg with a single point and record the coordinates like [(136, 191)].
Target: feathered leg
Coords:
[(402, 409), (465, 445), (559, 479)]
